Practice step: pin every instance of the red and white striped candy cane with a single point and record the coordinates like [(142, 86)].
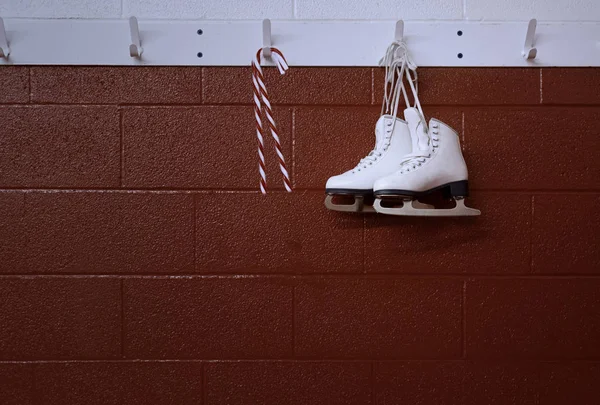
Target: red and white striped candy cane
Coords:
[(261, 101)]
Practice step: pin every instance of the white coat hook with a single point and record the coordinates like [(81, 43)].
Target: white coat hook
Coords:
[(266, 29), (135, 48), (529, 51), (399, 30), (4, 49)]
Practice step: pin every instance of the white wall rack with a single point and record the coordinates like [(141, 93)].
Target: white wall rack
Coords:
[(304, 43)]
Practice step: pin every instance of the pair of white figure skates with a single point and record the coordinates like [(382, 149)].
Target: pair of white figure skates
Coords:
[(411, 158)]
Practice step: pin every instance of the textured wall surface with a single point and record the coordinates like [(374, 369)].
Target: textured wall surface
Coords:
[(493, 10), (140, 265)]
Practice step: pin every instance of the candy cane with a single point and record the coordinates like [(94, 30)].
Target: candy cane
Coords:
[(261, 101)]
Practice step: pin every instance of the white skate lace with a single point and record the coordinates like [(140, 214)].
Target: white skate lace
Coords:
[(397, 63), (414, 160)]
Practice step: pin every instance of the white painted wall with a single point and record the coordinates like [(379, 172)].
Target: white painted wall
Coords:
[(489, 10)]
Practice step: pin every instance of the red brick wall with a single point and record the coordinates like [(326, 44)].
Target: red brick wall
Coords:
[(139, 264)]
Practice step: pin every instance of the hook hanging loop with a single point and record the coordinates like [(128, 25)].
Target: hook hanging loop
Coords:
[(529, 51), (135, 48), (4, 49), (399, 34), (266, 31)]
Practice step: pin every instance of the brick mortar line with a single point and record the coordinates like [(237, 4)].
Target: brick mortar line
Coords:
[(122, 302), (372, 382), (121, 149), (294, 321), (467, 277), (312, 360), (29, 84), (293, 136), (195, 232), (531, 231), (274, 191), (116, 104), (464, 319), (203, 382), (486, 360)]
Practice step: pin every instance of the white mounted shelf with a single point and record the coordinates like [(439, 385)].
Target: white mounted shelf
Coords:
[(304, 43)]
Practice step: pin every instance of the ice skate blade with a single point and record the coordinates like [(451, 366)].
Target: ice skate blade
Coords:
[(358, 206), (412, 209)]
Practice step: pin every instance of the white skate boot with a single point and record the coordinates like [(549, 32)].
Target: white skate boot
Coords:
[(437, 165), (392, 141)]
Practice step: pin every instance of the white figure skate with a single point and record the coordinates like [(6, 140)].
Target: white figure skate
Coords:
[(392, 141), (437, 165)]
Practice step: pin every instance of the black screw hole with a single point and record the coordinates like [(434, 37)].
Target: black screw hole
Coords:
[(199, 32), (199, 54), (459, 33), (460, 55)]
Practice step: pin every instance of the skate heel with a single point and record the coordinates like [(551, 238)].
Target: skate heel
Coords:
[(457, 189)]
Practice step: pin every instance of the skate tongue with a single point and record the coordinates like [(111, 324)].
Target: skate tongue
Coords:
[(416, 127)]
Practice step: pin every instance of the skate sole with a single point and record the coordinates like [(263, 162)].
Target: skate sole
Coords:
[(349, 191), (452, 189)]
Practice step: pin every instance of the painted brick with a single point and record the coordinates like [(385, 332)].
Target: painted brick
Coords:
[(329, 141), (419, 383), (110, 233), (12, 232), (279, 232), (118, 85), (352, 86), (288, 383), (571, 85), (461, 383), (501, 383), (50, 146), (380, 10), (569, 383), (533, 318), (14, 82), (210, 318), (16, 384), (378, 318), (208, 9), (550, 148), (472, 86), (454, 245), (140, 382), (565, 234), (557, 10), (204, 147), (59, 318), (61, 9)]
